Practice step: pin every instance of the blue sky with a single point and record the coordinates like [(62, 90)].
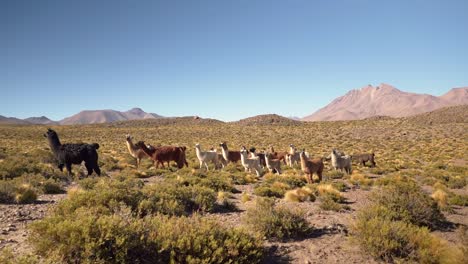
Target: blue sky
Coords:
[(222, 59)]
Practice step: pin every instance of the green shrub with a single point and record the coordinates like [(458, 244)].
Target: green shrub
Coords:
[(327, 203), (276, 222), (335, 174), (88, 237), (175, 199), (25, 194), (7, 191), (197, 240), (456, 199), (377, 234), (52, 187), (7, 256), (409, 203), (106, 195), (269, 191)]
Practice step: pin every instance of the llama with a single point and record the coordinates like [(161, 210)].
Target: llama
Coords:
[(68, 154), (163, 154), (260, 155), (135, 151), (363, 158), (206, 156), (341, 162), (274, 165), (278, 155), (229, 155), (250, 163), (292, 157), (311, 166)]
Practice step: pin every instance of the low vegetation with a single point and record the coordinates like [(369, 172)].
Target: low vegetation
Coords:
[(179, 215)]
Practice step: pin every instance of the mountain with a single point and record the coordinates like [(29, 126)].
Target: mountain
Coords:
[(106, 116), (451, 114), (42, 120), (269, 119), (385, 100), (12, 120)]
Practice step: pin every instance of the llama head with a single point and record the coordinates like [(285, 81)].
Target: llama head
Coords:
[(302, 154), (223, 145), (140, 144), (50, 133), (128, 137), (197, 146), (252, 149)]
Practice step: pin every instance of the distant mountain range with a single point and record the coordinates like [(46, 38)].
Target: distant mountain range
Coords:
[(368, 102), (85, 117), (385, 100)]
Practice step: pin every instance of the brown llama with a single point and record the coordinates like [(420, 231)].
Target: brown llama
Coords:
[(229, 155), (311, 166), (278, 155), (165, 154), (363, 158), (135, 151)]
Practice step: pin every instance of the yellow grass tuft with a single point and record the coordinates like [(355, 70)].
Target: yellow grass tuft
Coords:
[(299, 195), (440, 196)]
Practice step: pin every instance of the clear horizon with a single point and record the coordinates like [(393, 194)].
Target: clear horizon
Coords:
[(222, 60)]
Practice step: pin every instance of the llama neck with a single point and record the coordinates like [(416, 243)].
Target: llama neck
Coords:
[(303, 161), (225, 153), (54, 143), (131, 147), (334, 158), (147, 150), (198, 152), (243, 158), (267, 159), (292, 150)]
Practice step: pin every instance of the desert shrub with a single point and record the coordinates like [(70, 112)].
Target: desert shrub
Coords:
[(176, 199), (217, 182), (340, 186), (440, 196), (380, 236), (25, 194), (327, 203), (7, 191), (88, 183), (360, 179), (456, 182), (90, 237), (276, 222), (410, 204), (276, 186), (245, 197), (269, 191), (106, 195), (52, 187), (327, 190), (457, 199), (197, 240), (300, 195), (17, 165), (7, 256), (335, 174)]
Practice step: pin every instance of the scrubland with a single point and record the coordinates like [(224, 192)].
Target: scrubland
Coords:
[(412, 207)]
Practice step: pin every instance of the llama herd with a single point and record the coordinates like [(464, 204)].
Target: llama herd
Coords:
[(253, 162)]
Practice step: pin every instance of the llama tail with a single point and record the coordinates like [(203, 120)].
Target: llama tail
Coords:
[(95, 145)]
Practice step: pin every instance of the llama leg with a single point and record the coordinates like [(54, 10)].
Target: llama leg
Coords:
[(206, 165), (138, 162), (89, 168), (60, 166), (201, 164), (69, 168)]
